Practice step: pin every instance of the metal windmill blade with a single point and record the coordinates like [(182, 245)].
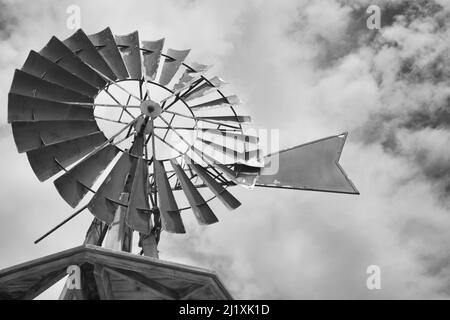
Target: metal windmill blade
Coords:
[(136, 135)]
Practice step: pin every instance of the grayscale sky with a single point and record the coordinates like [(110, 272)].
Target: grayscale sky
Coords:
[(311, 69)]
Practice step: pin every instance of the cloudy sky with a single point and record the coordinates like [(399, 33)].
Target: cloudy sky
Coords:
[(311, 69)]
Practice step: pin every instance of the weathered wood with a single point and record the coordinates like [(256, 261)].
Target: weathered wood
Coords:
[(36, 267), (66, 293), (127, 260), (16, 281), (71, 294), (103, 283), (42, 285), (88, 283), (148, 283), (189, 293)]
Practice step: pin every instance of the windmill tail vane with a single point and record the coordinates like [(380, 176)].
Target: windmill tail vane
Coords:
[(122, 125)]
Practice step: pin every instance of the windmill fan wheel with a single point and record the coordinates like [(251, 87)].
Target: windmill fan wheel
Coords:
[(117, 119), (119, 122)]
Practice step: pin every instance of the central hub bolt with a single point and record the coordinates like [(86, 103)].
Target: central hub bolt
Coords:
[(150, 108)]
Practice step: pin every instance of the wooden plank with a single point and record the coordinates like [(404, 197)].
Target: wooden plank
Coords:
[(88, 283), (175, 277), (42, 285), (103, 283), (126, 260), (148, 283), (65, 294), (32, 278), (192, 291), (36, 266), (71, 294), (157, 273)]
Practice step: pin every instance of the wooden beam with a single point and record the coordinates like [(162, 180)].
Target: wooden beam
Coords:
[(146, 282), (103, 283), (140, 263), (15, 281), (71, 294), (193, 289), (43, 284), (46, 264), (88, 283)]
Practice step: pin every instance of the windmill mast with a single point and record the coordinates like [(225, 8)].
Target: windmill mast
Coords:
[(119, 236)]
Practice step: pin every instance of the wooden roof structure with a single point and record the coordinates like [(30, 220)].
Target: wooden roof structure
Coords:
[(110, 274)]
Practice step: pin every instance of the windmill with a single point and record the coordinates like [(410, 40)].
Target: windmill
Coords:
[(128, 131)]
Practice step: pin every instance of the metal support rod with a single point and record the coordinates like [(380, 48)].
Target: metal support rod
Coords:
[(118, 102), (110, 120), (81, 104), (169, 144), (200, 129), (154, 161), (197, 119), (170, 122), (61, 224)]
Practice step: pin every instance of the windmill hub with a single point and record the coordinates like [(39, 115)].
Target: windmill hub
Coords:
[(150, 108)]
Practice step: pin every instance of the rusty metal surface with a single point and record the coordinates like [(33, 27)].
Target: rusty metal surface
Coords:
[(24, 108), (170, 214), (129, 48), (195, 71), (172, 64), (57, 52), (73, 185), (311, 166), (218, 189), (238, 119), (204, 88), (138, 211), (30, 135), (29, 85), (201, 209), (217, 103), (104, 203), (152, 57), (106, 45), (46, 161), (80, 44)]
